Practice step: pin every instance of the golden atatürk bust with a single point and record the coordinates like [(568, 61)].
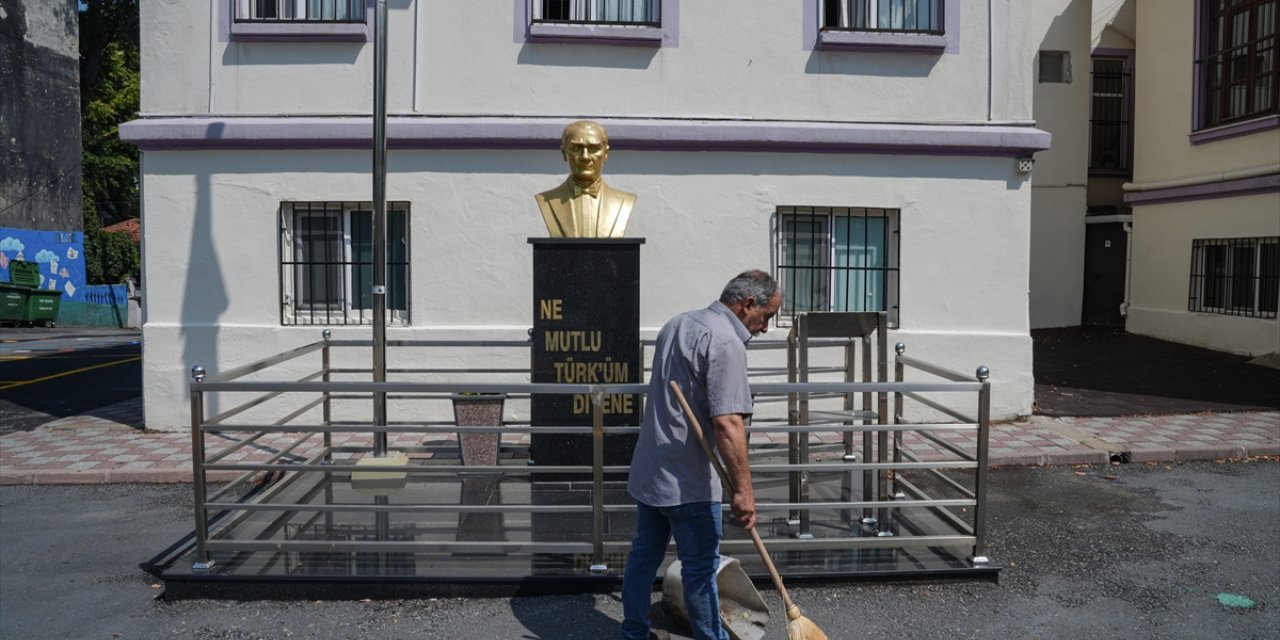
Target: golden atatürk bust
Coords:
[(583, 206)]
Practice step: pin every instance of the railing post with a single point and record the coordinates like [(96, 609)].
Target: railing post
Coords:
[(379, 287), (597, 481), (868, 476), (898, 371), (801, 455), (793, 419), (882, 412), (846, 438), (980, 489), (203, 562), (327, 415)]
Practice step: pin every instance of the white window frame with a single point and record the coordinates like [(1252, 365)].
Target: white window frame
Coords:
[(576, 30), (344, 311), (244, 27), (891, 283), (1200, 259), (877, 38)]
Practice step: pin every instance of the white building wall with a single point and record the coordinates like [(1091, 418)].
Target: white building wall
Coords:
[(213, 247), (1162, 237), (1058, 196), (472, 62), (1165, 157)]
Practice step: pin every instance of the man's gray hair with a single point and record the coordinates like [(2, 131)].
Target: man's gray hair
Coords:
[(750, 284)]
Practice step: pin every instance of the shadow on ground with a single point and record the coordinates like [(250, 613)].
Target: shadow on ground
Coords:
[(44, 386), (1102, 371)]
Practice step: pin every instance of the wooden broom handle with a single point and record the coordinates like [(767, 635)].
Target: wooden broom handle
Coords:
[(724, 477)]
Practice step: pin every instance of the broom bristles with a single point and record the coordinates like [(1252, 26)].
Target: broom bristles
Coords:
[(802, 628)]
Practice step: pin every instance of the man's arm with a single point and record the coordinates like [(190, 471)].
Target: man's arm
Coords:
[(731, 441)]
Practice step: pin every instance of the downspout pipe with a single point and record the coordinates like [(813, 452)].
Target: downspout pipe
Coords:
[(1128, 268)]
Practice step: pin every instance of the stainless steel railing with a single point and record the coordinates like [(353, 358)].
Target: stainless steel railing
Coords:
[(892, 469)]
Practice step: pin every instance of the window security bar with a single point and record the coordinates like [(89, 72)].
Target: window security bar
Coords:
[(1238, 74), (884, 16), (1109, 137), (837, 259), (326, 267), (608, 12), (300, 11), (1235, 276)]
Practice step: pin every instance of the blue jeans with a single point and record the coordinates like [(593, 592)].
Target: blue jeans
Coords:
[(697, 530)]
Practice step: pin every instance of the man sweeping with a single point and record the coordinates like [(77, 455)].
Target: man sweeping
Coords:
[(677, 491)]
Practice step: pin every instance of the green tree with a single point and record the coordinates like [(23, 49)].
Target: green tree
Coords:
[(109, 95)]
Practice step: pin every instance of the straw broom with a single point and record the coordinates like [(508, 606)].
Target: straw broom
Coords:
[(798, 626)]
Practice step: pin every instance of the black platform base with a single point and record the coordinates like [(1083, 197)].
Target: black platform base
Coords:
[(293, 552)]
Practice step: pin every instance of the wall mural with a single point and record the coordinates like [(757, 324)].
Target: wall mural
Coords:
[(60, 255)]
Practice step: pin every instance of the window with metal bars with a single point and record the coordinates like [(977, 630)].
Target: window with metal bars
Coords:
[(883, 16), (625, 12), (300, 11), (326, 270), (1109, 132), (1235, 276), (837, 259), (1237, 68)]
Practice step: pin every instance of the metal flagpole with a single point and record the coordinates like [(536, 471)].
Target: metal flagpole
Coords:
[(380, 224)]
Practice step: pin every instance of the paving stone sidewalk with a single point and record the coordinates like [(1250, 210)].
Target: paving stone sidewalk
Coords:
[(108, 448)]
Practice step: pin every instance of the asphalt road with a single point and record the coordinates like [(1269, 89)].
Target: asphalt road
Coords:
[(49, 375), (1132, 552)]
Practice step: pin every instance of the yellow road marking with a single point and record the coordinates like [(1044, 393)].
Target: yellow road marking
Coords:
[(67, 373)]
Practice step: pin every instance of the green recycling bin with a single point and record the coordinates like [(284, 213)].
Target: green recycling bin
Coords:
[(24, 273), (24, 277), (13, 303), (42, 307)]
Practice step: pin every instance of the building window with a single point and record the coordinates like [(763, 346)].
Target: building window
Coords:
[(837, 259), (326, 273), (300, 10), (623, 12), (887, 25), (1235, 276), (1055, 67), (883, 16), (625, 22), (1109, 133), (1237, 72)]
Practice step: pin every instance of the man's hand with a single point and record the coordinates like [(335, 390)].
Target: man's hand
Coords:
[(744, 508), (731, 441)]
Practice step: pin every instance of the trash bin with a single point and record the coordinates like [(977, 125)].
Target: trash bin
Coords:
[(24, 277), (42, 307), (13, 303)]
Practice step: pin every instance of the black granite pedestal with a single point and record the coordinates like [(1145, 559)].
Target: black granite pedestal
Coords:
[(586, 330)]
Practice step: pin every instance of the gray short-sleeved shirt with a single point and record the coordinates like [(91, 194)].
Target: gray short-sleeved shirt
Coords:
[(705, 352)]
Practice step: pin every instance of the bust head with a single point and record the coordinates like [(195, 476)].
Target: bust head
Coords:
[(585, 146)]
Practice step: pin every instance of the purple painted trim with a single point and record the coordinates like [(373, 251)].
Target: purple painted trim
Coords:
[(544, 133), (815, 37), (229, 30), (1225, 189), (666, 35), (1108, 52), (811, 19), (1266, 123)]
